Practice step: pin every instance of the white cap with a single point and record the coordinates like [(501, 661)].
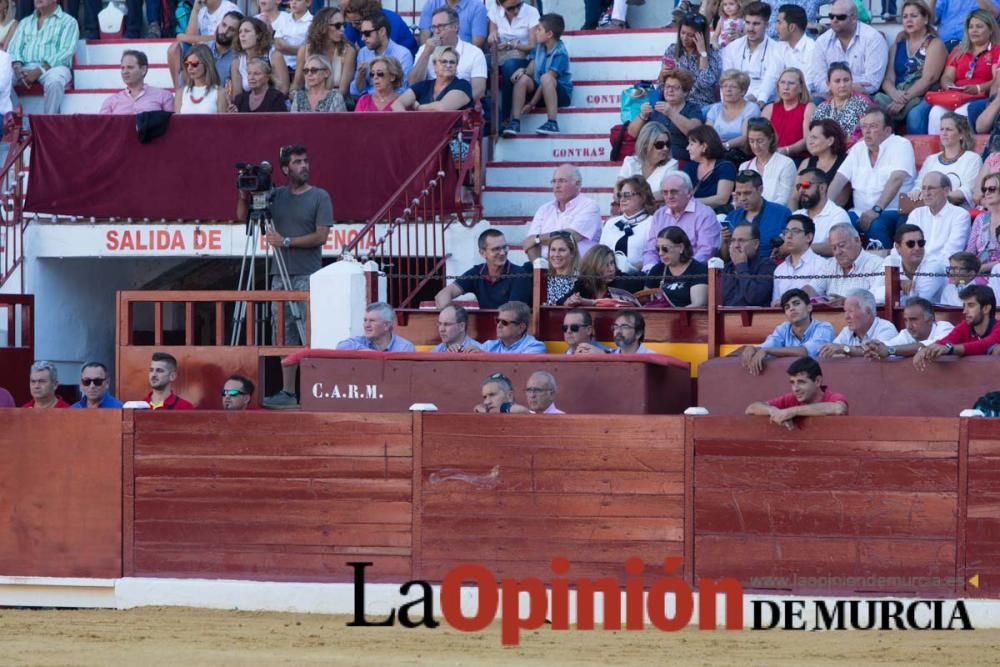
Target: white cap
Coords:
[(423, 407), (696, 411)]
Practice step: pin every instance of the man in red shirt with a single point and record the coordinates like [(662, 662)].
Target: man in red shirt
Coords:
[(978, 334), (808, 398), (42, 383), (162, 375)]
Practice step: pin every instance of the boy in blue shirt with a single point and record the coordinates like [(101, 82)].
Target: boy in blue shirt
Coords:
[(545, 78)]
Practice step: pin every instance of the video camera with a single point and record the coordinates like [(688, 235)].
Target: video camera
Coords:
[(253, 177)]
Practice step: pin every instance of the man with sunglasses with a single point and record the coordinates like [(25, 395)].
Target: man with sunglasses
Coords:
[(811, 185), (375, 32), (95, 387), (512, 332), (862, 47), (920, 274), (237, 393), (355, 11), (578, 330), (946, 227), (473, 22)]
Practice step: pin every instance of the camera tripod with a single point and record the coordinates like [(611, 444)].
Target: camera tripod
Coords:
[(259, 220)]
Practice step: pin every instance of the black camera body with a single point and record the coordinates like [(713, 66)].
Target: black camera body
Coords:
[(253, 177)]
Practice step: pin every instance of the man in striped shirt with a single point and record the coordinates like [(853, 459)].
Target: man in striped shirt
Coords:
[(42, 51)]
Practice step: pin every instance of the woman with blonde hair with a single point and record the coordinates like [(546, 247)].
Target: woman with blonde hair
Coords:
[(652, 157), (202, 92), (564, 265), (791, 113), (8, 22), (729, 117), (317, 96), (387, 76), (445, 93), (957, 159)]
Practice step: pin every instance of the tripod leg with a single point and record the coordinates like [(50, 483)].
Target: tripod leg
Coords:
[(294, 306)]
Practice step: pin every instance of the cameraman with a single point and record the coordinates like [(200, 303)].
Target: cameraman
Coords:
[(302, 217)]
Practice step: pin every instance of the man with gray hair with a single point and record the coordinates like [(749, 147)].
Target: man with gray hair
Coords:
[(862, 326), (921, 329), (862, 47), (569, 211), (471, 60), (453, 324), (498, 396), (541, 393), (378, 324), (849, 268), (681, 209), (512, 332), (946, 226), (42, 383)]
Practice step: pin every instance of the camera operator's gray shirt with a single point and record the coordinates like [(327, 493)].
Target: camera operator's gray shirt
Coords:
[(298, 215)]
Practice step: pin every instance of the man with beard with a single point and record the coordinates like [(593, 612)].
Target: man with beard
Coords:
[(95, 387), (302, 217), (162, 375), (629, 330), (809, 397), (375, 29), (218, 22), (799, 336), (811, 184), (978, 334), (237, 393)]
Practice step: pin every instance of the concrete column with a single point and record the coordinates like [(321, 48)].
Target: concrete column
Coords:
[(336, 303)]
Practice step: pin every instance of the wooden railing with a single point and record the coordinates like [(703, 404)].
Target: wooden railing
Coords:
[(17, 343), (12, 218)]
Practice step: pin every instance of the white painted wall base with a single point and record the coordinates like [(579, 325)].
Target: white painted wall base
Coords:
[(338, 598)]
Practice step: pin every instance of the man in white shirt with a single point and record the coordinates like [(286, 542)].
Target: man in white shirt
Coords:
[(850, 268), (946, 226), (878, 169), (209, 15), (811, 185), (920, 328), (797, 48), (568, 211), (862, 326), (862, 47), (919, 275), (471, 61), (290, 29), (755, 53), (801, 260)]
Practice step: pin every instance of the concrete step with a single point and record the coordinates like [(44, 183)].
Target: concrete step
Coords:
[(575, 121), (538, 174), (594, 94), (613, 43), (109, 52), (576, 148), (512, 202), (600, 68), (105, 77)]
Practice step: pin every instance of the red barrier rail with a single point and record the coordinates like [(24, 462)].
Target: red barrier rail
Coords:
[(12, 220)]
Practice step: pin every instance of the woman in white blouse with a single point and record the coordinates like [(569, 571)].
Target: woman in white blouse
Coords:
[(957, 160), (776, 170), (652, 157), (627, 233)]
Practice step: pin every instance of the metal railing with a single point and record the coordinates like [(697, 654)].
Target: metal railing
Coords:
[(12, 219), (414, 220)]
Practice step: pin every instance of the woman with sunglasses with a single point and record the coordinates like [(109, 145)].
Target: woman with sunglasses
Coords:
[(317, 96), (627, 233), (693, 51), (445, 93), (776, 170), (202, 92), (564, 266), (326, 38), (983, 236), (652, 157), (678, 280), (713, 177), (598, 272), (387, 77), (791, 113), (260, 96), (512, 29), (844, 106), (668, 105), (255, 40), (957, 159)]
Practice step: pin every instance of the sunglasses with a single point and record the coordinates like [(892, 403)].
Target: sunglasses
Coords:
[(506, 323), (379, 74), (233, 392), (499, 376), (660, 145), (696, 20), (191, 63), (514, 8), (990, 189), (666, 248), (367, 33), (97, 382), (747, 173), (451, 63), (627, 195), (803, 186), (913, 243), (572, 327), (313, 70), (339, 25), (837, 17)]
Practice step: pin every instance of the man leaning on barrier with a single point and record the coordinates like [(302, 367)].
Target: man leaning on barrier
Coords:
[(978, 334), (302, 216), (799, 336), (809, 396)]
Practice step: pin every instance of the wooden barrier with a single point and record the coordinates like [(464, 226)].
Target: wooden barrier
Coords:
[(829, 508), (17, 344), (61, 493)]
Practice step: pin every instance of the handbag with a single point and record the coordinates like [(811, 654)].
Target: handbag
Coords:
[(633, 98), (622, 143), (950, 99)]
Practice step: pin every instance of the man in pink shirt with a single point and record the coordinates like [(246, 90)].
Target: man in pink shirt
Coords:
[(137, 96), (681, 209), (569, 211), (541, 394), (808, 398)]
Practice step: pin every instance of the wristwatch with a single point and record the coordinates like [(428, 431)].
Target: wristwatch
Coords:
[(286, 242), (703, 54), (538, 239), (892, 351), (951, 348), (877, 209), (847, 350)]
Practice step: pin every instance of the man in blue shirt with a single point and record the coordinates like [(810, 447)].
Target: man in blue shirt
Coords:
[(489, 281), (473, 23), (94, 386), (578, 332), (355, 11), (512, 332), (768, 217), (380, 319), (377, 43), (800, 336)]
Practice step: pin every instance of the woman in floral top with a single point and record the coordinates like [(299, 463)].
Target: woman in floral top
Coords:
[(844, 106), (693, 52), (564, 265)]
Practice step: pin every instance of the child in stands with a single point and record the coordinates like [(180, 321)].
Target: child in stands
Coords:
[(730, 25), (546, 78)]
